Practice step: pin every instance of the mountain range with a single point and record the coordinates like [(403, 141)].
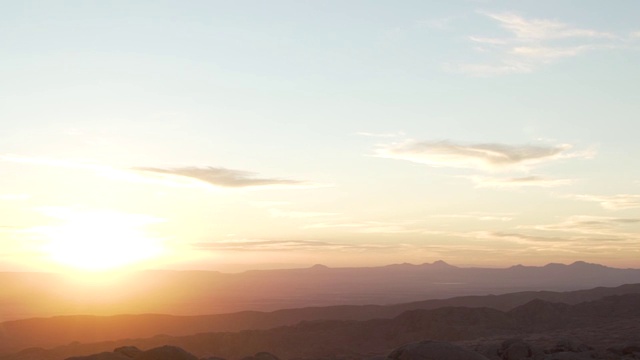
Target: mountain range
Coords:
[(28, 295), (342, 339), (494, 314)]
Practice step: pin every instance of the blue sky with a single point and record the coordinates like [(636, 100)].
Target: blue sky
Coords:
[(236, 135)]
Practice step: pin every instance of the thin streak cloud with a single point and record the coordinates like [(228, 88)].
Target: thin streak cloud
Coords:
[(517, 182), (369, 227), (593, 225), (262, 245), (223, 177), (181, 176), (542, 29), (478, 217), (483, 156), (531, 43), (612, 202)]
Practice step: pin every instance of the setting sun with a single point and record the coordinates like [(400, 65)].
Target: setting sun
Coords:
[(299, 180), (100, 240)]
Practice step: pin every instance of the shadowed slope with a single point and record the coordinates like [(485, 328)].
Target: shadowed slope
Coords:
[(311, 339), (55, 331)]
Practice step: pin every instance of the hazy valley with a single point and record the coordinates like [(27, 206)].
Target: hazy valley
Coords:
[(209, 292)]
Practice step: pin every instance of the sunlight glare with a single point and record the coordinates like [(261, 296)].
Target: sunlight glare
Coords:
[(99, 240)]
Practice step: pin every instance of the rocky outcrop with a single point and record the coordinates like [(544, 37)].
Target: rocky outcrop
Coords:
[(626, 351), (165, 353), (101, 356), (131, 352), (570, 345), (519, 349), (262, 356), (433, 350), (516, 349), (128, 351)]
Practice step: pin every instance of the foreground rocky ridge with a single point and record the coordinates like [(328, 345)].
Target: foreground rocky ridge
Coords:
[(511, 349), (602, 324)]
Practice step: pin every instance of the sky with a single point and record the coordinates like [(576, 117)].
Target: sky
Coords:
[(235, 135)]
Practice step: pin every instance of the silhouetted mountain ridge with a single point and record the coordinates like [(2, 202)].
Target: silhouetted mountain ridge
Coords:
[(47, 332), (316, 339)]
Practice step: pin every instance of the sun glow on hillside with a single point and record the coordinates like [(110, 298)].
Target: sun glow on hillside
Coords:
[(98, 241)]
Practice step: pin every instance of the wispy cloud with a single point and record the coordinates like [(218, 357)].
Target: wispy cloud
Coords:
[(477, 216), (578, 235), (484, 156), (593, 225), (288, 245), (576, 245), (518, 237), (180, 176), (279, 213), (612, 202), (517, 182), (543, 29), (224, 177), (370, 227), (531, 43)]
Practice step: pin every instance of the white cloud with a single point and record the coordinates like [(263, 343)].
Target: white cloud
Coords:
[(612, 202), (542, 29), (544, 53), (485, 156), (525, 181), (531, 43)]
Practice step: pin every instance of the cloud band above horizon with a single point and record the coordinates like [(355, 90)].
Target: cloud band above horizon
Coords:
[(484, 156), (224, 177)]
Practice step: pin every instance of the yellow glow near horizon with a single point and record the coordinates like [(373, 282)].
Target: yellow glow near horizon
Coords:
[(98, 241)]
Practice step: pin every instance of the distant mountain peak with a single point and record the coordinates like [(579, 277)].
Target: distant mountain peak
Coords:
[(586, 264), (319, 267), (442, 264), (554, 265)]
